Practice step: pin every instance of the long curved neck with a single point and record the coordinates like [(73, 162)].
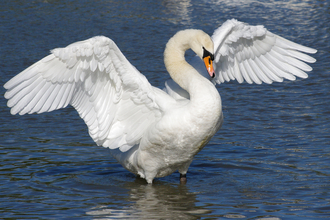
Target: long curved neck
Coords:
[(204, 108), (202, 114), (174, 57)]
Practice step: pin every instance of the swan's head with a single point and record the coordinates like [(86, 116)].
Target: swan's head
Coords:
[(203, 46)]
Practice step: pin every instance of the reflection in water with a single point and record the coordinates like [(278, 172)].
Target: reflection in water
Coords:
[(180, 8), (244, 3), (155, 201)]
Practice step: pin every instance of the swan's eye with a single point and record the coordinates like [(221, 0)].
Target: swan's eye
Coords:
[(206, 53)]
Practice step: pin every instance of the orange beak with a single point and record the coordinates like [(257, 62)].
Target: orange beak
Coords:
[(209, 66)]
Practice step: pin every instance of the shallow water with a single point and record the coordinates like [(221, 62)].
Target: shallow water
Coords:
[(270, 160)]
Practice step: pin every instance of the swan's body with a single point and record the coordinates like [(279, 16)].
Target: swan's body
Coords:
[(152, 132), (171, 142)]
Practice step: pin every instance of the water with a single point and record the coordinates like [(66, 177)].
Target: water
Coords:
[(270, 160)]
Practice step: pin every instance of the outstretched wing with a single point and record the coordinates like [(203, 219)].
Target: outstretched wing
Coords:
[(256, 55), (115, 100)]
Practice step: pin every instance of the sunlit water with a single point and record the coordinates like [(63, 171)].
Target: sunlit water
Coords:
[(270, 160)]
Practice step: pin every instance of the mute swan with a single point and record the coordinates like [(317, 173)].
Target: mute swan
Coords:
[(154, 132)]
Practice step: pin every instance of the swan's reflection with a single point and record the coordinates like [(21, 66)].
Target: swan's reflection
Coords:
[(157, 201)]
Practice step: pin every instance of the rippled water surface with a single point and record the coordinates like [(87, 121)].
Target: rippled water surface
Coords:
[(270, 160)]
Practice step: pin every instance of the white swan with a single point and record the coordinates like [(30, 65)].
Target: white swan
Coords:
[(152, 132)]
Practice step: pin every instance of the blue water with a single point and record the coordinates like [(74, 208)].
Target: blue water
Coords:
[(270, 160)]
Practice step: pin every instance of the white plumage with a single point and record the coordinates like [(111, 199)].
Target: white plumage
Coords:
[(154, 132)]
